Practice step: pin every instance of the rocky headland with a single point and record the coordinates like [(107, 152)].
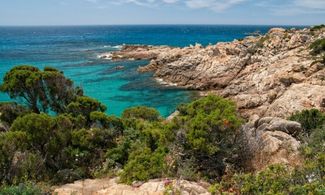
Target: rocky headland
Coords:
[(270, 75)]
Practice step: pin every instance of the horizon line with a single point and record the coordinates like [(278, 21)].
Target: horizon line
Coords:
[(208, 24)]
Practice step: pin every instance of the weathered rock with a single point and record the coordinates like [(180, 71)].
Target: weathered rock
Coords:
[(172, 116), (135, 52), (262, 74), (112, 187), (269, 141)]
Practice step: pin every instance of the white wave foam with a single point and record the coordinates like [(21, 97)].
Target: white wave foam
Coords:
[(162, 82)]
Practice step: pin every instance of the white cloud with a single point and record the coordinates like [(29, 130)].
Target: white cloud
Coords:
[(216, 5), (92, 1), (312, 4), (293, 7)]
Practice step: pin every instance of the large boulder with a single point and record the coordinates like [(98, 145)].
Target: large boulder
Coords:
[(112, 187), (270, 140)]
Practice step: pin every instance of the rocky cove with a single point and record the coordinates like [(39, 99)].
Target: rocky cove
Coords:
[(268, 75)]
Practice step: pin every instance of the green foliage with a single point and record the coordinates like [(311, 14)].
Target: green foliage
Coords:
[(40, 90), (59, 89), (10, 111), (10, 142), (276, 179), (144, 164), (55, 145), (38, 128), (314, 152), (100, 119), (261, 41), (309, 119), (206, 132), (140, 151), (141, 112), (318, 47), (84, 106), (318, 27), (21, 189)]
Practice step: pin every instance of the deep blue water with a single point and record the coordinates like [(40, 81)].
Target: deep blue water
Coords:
[(74, 50)]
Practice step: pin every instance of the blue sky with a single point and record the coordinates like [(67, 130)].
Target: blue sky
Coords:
[(93, 12)]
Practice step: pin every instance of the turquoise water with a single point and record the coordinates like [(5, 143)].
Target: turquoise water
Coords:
[(74, 50)]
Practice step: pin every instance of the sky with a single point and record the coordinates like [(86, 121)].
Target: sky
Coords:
[(111, 12)]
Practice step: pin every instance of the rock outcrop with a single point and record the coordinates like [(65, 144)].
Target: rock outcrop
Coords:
[(270, 75), (111, 187), (270, 140), (135, 52)]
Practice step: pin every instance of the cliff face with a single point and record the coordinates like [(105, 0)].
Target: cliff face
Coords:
[(270, 75)]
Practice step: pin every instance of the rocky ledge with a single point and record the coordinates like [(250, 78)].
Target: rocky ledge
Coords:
[(152, 187), (269, 75)]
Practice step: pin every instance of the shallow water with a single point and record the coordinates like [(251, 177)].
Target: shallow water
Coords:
[(74, 50)]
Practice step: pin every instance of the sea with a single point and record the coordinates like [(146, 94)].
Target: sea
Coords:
[(75, 50)]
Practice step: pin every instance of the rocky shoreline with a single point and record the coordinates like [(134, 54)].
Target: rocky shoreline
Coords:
[(270, 75)]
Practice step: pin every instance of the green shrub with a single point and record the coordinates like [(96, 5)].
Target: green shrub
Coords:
[(314, 152), (101, 120), (318, 27), (38, 128), (84, 105), (26, 167), (22, 189), (66, 153), (309, 119), (10, 111), (260, 43), (141, 140), (318, 47), (141, 112), (10, 143), (276, 179), (206, 131), (143, 164)]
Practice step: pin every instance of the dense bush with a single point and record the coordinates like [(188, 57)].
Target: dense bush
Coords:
[(276, 179), (144, 164), (141, 150), (22, 189), (206, 131), (318, 47), (52, 148), (309, 119), (141, 112), (84, 106), (318, 27), (10, 111)]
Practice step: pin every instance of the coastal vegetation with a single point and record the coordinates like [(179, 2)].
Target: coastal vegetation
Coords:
[(57, 135)]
